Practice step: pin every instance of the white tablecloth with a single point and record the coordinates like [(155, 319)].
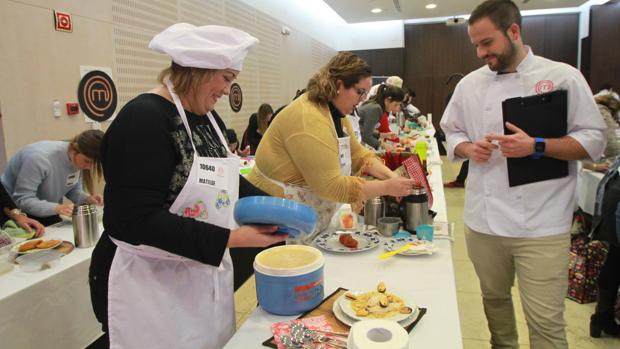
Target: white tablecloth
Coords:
[(49, 308), (429, 280), (586, 189)]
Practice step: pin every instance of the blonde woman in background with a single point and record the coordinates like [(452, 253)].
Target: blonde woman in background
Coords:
[(307, 153), (608, 105), (41, 174)]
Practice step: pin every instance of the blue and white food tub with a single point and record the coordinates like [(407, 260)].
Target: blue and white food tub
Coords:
[(289, 279)]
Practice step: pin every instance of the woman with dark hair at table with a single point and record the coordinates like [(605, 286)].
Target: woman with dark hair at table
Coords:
[(233, 143), (374, 123)]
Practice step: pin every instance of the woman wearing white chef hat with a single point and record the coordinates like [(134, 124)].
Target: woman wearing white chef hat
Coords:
[(161, 275)]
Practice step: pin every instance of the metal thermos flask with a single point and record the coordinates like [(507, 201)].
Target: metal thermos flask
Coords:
[(85, 225), (416, 209), (373, 210)]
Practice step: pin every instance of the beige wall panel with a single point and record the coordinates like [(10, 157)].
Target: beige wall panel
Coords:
[(92, 9), (296, 66), (135, 22), (40, 65), (202, 12), (136, 66), (150, 15), (241, 16)]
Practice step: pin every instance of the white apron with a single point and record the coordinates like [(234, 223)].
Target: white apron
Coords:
[(157, 299), (355, 125), (324, 208)]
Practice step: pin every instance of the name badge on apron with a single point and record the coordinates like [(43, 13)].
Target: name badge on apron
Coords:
[(212, 173), (72, 178)]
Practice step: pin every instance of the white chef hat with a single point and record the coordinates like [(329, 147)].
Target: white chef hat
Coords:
[(394, 81), (209, 46)]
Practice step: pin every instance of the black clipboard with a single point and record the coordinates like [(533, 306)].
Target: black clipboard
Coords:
[(544, 116)]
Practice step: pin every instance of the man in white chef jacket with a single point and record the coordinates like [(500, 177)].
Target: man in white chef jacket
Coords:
[(521, 230)]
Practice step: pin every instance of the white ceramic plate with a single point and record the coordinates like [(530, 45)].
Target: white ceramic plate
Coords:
[(15, 248), (422, 247), (345, 306), (365, 241), (345, 319)]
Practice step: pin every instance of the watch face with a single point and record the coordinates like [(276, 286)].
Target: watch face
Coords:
[(539, 147)]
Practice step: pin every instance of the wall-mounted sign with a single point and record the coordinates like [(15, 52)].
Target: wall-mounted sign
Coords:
[(235, 97), (97, 95), (62, 21)]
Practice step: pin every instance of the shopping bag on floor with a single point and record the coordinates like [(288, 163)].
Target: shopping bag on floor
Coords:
[(585, 262)]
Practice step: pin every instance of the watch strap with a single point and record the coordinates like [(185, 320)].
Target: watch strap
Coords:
[(538, 154)]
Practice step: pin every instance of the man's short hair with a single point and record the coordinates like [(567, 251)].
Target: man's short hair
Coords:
[(503, 13)]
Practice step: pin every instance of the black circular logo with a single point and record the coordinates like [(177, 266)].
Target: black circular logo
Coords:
[(235, 97), (97, 95)]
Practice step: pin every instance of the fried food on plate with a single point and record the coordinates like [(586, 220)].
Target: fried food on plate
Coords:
[(348, 240), (29, 245), (379, 304), (47, 243)]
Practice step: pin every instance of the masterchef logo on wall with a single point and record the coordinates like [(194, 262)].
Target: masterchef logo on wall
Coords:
[(235, 98), (97, 95)]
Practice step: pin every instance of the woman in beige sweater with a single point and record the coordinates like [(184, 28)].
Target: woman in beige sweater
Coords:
[(307, 154)]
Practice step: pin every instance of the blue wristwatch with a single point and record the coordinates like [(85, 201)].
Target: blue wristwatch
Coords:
[(539, 148)]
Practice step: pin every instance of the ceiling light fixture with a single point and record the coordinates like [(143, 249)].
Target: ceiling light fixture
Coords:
[(430, 6), (376, 10)]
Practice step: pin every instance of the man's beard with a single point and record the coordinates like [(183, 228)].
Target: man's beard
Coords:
[(505, 59)]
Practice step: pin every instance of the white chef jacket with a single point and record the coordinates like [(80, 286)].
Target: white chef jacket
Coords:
[(531, 210)]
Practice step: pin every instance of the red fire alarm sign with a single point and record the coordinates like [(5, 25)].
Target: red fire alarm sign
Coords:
[(62, 20), (73, 108)]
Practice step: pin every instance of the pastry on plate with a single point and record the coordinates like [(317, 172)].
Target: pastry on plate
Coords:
[(29, 245), (47, 243)]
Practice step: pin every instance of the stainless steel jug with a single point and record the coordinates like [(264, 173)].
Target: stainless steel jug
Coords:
[(416, 209), (373, 210), (85, 225)]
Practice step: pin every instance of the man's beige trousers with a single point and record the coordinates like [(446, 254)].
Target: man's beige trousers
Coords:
[(541, 267)]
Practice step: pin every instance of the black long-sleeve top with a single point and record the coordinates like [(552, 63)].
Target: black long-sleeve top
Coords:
[(253, 137), (5, 202), (146, 158), (5, 199)]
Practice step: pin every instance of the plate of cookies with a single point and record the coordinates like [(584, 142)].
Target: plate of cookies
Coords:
[(35, 245), (376, 304)]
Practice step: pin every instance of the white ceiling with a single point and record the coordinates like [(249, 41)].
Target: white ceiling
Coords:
[(355, 11)]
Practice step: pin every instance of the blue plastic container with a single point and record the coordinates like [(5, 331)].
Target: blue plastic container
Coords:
[(402, 234), (424, 232), (289, 279), (291, 217)]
